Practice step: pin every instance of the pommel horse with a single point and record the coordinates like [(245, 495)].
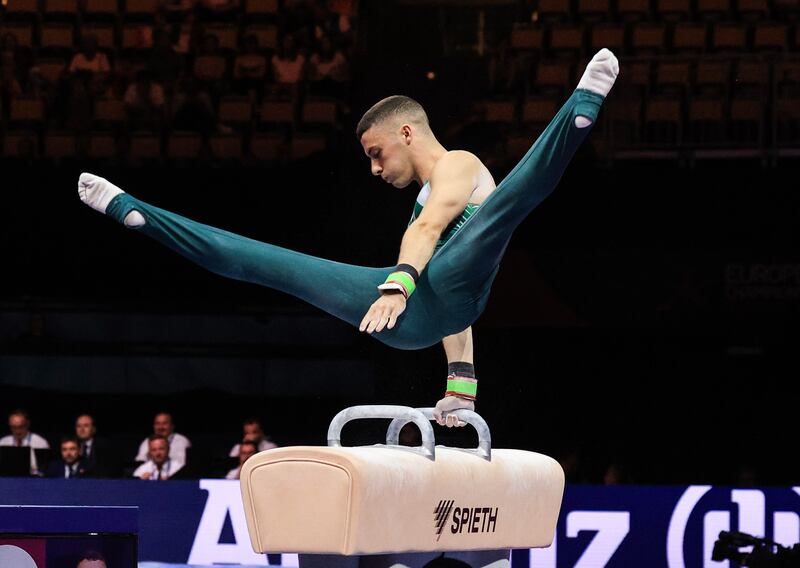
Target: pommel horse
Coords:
[(389, 505)]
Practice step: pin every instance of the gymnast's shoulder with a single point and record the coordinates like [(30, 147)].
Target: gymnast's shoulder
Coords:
[(456, 164)]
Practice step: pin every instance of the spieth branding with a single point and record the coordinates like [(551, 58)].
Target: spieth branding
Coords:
[(464, 519)]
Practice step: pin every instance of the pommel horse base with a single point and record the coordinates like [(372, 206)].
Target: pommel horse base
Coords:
[(388, 505)]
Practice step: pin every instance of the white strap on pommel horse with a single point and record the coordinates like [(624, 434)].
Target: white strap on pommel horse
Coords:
[(388, 505)]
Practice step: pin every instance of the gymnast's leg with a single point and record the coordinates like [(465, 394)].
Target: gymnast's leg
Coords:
[(344, 291), (479, 245)]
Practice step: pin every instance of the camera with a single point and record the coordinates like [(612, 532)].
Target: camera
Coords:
[(765, 553)]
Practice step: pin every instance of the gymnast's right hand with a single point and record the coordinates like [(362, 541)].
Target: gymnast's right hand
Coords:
[(445, 406), (384, 312)]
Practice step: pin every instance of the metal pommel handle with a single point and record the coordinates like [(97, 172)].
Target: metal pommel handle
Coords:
[(404, 414), (474, 419)]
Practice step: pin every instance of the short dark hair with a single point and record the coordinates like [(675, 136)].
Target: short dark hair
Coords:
[(73, 439), (396, 105), (20, 412), (155, 437), (248, 443)]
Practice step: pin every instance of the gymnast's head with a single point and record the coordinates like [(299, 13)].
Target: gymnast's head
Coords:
[(395, 134)]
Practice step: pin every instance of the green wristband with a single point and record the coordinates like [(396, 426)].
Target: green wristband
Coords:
[(462, 386), (404, 279)]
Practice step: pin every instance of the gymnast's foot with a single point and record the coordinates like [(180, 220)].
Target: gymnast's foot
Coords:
[(601, 72), (445, 406), (599, 77), (97, 193)]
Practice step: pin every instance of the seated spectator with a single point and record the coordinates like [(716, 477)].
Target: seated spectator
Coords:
[(94, 451), (89, 72), (246, 450), (159, 466), (21, 436), (89, 61), (288, 67), (144, 102), (253, 432), (250, 68), (328, 70), (71, 463), (163, 427)]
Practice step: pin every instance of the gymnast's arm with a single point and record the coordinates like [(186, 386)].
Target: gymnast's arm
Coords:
[(458, 348), (452, 180)]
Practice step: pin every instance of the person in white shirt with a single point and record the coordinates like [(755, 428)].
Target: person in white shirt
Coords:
[(246, 449), (21, 436), (159, 466), (164, 427), (253, 432)]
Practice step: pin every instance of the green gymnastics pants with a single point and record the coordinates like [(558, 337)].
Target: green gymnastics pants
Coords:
[(453, 289)]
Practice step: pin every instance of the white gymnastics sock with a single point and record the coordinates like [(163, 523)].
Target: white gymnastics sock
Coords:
[(599, 77), (97, 193), (600, 74)]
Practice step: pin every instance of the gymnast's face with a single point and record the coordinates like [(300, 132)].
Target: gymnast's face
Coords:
[(387, 145)]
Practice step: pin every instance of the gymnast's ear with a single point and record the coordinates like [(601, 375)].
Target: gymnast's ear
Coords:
[(407, 132)]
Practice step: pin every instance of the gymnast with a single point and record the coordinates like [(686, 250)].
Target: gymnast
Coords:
[(449, 254)]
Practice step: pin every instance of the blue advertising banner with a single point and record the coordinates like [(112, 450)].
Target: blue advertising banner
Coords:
[(202, 522)]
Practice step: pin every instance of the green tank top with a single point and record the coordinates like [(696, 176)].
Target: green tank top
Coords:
[(453, 227)]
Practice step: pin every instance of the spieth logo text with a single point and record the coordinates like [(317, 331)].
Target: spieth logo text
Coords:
[(464, 519)]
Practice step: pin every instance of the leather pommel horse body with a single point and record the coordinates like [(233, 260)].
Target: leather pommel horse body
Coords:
[(389, 499)]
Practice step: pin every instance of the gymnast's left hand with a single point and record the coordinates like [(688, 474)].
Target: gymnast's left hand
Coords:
[(384, 312)]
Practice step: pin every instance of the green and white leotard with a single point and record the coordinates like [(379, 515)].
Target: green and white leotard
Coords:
[(454, 226)]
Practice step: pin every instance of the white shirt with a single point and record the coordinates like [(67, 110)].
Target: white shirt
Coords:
[(169, 469), (262, 445), (32, 441), (177, 448), (233, 474)]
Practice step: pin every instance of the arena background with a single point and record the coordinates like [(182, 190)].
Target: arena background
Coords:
[(645, 315)]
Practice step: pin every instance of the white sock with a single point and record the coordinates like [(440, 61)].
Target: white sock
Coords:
[(97, 193), (599, 77), (601, 72)]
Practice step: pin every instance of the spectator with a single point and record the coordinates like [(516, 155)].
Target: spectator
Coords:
[(89, 72), (89, 61), (159, 466), (92, 559), (250, 68), (246, 450), (144, 102), (21, 436), (288, 67), (94, 451), (328, 69), (71, 463), (177, 443), (253, 432)]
